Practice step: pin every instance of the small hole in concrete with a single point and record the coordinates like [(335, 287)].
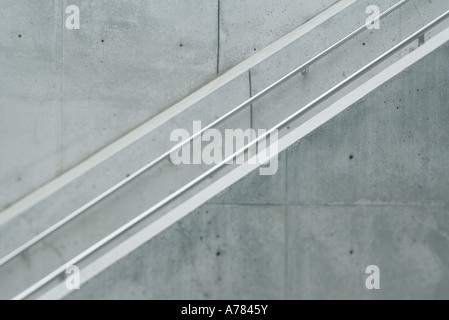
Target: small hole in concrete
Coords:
[(102, 41), (20, 36), (218, 253), (255, 49), (128, 175), (364, 44), (351, 157), (181, 45), (351, 252)]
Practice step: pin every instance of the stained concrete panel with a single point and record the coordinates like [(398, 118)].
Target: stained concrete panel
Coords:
[(130, 61), (315, 252), (30, 108), (391, 147), (329, 249), (217, 252)]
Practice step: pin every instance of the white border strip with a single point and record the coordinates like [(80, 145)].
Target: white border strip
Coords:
[(109, 151), (143, 236)]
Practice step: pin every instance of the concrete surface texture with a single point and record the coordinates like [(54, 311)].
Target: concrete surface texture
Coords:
[(367, 188), (92, 87), (75, 91), (92, 105)]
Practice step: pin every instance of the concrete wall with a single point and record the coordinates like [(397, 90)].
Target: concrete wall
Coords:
[(68, 93), (369, 187), (81, 90), (130, 60)]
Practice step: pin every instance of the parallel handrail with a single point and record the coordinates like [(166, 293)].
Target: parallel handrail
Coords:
[(136, 174), (224, 78), (293, 117)]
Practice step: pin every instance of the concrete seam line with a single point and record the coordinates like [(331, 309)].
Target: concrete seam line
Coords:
[(143, 236), (120, 144)]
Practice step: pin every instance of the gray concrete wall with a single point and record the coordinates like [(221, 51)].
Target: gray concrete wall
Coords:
[(369, 187), (75, 91), (86, 89), (71, 92), (127, 63), (68, 93)]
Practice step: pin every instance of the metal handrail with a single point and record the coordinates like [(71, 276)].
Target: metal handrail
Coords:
[(262, 93), (294, 116)]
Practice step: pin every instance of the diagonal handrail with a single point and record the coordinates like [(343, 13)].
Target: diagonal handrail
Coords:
[(99, 157), (251, 100), (292, 117)]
